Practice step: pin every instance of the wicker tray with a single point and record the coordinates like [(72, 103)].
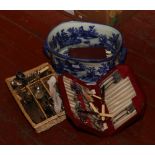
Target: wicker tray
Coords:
[(36, 112)]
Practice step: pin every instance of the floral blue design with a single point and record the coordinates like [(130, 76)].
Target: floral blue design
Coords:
[(87, 70), (73, 36)]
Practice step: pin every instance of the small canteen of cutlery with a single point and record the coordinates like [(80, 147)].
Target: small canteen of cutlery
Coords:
[(103, 108)]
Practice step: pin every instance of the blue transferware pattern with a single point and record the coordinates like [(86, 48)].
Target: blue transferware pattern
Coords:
[(75, 34)]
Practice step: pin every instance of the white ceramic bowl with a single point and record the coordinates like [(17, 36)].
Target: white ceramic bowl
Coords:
[(76, 34)]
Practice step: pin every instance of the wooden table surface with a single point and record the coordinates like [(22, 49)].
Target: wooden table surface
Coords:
[(22, 36)]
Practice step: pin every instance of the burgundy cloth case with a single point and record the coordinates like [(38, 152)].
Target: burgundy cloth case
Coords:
[(130, 115)]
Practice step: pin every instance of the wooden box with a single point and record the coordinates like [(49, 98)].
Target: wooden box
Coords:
[(36, 111)]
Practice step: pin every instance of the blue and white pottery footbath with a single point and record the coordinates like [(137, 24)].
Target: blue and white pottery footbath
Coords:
[(76, 34)]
